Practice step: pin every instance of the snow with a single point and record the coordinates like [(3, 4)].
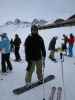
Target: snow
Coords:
[(16, 78)]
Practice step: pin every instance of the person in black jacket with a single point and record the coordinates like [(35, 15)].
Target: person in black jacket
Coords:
[(52, 48), (64, 45), (17, 43), (35, 54)]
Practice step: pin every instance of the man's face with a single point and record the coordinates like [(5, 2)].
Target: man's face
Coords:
[(34, 31)]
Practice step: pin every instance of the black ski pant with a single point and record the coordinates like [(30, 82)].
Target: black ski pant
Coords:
[(17, 55), (5, 62)]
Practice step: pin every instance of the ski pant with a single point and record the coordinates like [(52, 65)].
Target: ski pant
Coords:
[(5, 60), (64, 48), (70, 50), (29, 72), (17, 55)]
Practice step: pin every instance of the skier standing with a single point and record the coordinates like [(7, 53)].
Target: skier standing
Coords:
[(52, 48), (71, 43), (35, 53), (5, 53), (64, 45), (17, 43)]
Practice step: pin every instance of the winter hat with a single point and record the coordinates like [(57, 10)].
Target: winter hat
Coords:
[(16, 35), (71, 34), (34, 27)]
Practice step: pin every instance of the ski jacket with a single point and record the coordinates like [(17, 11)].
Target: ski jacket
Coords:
[(17, 42), (71, 40), (65, 40), (5, 45), (52, 44), (34, 48)]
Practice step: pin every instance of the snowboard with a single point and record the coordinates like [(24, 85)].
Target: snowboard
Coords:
[(20, 61), (24, 88), (54, 60)]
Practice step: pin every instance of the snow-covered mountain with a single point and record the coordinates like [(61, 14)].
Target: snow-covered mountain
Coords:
[(17, 21), (39, 22)]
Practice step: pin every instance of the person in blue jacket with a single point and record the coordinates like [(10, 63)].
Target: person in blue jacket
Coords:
[(5, 53)]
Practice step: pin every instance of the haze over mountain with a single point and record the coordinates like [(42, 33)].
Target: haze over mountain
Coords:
[(17, 21)]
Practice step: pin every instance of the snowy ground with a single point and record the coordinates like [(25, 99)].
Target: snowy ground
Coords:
[(17, 77)]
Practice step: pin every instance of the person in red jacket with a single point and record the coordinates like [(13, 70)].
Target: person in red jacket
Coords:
[(71, 43)]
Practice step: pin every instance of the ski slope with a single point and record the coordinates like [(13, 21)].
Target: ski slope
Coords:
[(17, 77)]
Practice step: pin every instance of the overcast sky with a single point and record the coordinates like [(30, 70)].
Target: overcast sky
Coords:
[(29, 9)]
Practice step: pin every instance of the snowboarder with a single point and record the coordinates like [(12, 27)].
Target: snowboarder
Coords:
[(35, 54), (64, 45), (17, 43), (52, 48), (71, 43), (5, 53)]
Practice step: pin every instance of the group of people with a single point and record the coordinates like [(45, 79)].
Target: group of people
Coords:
[(70, 41), (66, 46), (6, 47), (35, 52)]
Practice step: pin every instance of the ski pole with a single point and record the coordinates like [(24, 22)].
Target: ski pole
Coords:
[(43, 66), (62, 60)]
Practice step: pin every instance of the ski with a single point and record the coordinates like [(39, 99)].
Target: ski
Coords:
[(59, 92), (53, 89)]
